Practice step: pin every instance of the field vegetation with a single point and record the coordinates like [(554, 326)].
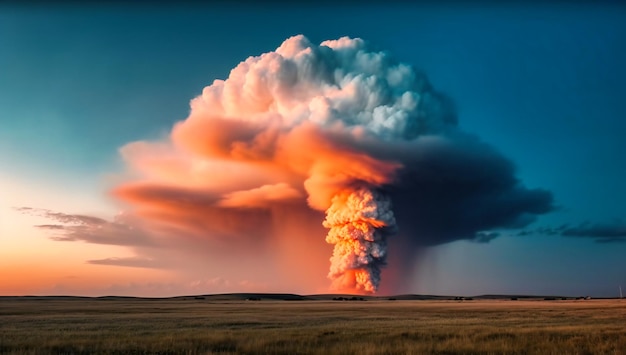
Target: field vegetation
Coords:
[(195, 325)]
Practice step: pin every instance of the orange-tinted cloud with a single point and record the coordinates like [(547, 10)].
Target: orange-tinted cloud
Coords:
[(263, 196)]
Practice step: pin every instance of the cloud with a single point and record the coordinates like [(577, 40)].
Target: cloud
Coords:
[(51, 226), (605, 232), (311, 129), (455, 188), (76, 227), (127, 262), (608, 232), (196, 214), (262, 196), (62, 217), (326, 116), (613, 230)]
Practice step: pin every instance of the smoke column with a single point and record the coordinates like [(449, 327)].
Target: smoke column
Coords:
[(335, 127), (360, 220)]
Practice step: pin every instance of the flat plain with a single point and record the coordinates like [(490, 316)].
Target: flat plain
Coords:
[(231, 325)]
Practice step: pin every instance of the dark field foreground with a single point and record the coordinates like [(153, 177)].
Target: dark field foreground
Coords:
[(200, 326)]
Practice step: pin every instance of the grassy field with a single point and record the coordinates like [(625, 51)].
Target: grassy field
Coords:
[(200, 326)]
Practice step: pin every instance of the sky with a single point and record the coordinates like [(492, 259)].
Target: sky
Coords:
[(112, 184)]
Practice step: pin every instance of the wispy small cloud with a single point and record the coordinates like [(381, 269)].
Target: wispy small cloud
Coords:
[(128, 262), (614, 231), (90, 229), (607, 232), (50, 226), (61, 217)]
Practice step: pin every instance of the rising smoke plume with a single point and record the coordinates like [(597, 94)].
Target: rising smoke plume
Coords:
[(335, 128), (359, 219)]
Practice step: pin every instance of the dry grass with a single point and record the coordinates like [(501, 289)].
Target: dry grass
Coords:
[(179, 326)]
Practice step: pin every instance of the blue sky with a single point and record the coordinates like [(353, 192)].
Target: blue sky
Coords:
[(544, 84)]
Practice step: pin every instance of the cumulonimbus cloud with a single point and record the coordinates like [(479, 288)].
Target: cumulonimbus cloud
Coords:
[(336, 128), (316, 122)]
